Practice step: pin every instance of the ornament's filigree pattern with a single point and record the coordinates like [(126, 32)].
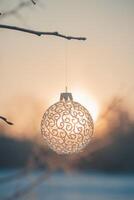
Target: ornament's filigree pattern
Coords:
[(67, 127)]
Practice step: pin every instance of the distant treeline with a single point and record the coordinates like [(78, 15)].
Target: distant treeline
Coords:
[(116, 155), (14, 153), (115, 150)]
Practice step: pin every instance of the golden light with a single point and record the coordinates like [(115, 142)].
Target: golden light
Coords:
[(67, 126), (88, 101)]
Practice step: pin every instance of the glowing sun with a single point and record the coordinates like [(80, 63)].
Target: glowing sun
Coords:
[(89, 102)]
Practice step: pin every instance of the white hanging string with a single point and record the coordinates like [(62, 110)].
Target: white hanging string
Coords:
[(66, 65)]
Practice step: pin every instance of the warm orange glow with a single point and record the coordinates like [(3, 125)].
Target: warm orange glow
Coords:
[(84, 98), (88, 101)]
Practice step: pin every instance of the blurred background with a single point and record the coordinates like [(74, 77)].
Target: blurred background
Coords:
[(100, 77)]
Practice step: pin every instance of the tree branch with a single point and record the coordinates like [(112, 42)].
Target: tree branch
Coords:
[(39, 33), (33, 1), (5, 120), (16, 9)]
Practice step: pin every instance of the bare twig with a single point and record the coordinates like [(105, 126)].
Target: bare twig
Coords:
[(5, 120), (39, 33), (33, 1), (15, 10)]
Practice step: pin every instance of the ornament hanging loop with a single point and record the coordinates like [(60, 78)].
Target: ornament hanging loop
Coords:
[(66, 96)]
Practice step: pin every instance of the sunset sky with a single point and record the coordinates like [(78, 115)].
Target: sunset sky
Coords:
[(98, 69)]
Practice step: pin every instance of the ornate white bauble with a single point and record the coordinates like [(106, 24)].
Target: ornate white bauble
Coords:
[(67, 126)]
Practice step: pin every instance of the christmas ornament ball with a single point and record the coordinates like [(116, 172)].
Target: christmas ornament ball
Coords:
[(67, 126)]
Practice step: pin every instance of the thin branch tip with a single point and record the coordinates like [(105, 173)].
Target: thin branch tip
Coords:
[(5, 120), (33, 1), (39, 33), (84, 38)]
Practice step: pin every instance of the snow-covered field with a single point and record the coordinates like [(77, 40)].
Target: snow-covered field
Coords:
[(71, 186)]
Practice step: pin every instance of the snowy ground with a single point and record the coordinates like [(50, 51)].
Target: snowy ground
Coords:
[(73, 186)]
